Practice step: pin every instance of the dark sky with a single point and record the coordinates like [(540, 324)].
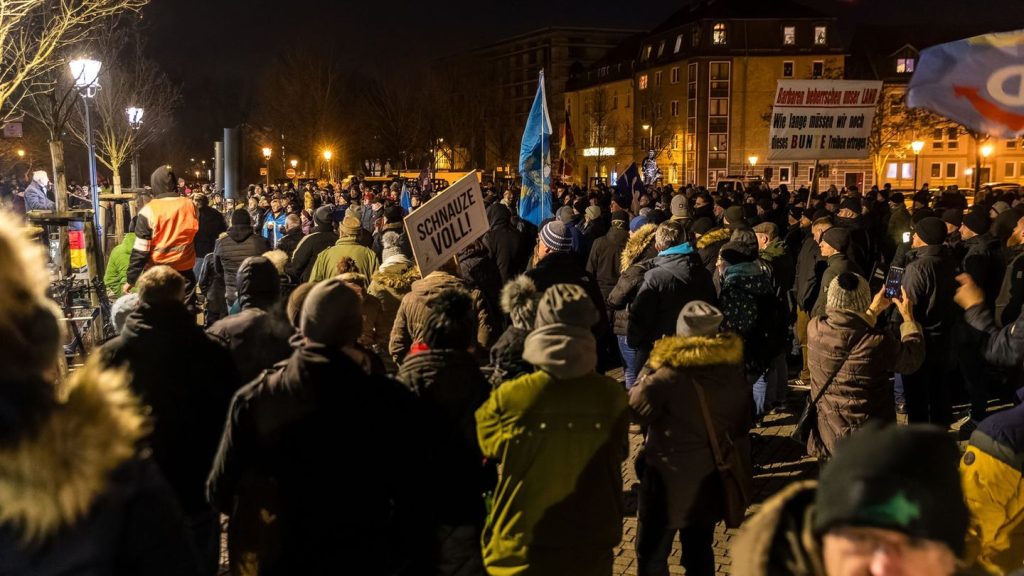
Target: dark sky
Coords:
[(218, 49)]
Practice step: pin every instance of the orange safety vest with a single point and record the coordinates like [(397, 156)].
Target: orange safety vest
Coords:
[(174, 225)]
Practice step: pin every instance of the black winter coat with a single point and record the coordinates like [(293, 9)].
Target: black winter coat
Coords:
[(1011, 293), (836, 264), (289, 241), (565, 268), (211, 226), (634, 263), (279, 455), (504, 243), (230, 251), (449, 387), (304, 257), (710, 244), (187, 379), (507, 356), (983, 261), (605, 259), (930, 282), (676, 278)]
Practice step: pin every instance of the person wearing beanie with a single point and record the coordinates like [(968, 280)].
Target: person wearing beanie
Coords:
[(852, 356), (834, 244), (389, 284), (710, 240), (734, 218), (593, 228), (347, 246), (676, 276), (890, 502), (393, 222), (186, 379), (519, 301), (257, 336), (558, 504), (921, 200), (771, 388), (282, 430), (72, 469), (695, 374), (322, 237), (861, 246), (637, 222), (231, 249), (810, 265), (273, 223), (992, 466), (748, 302), (634, 261), (165, 231), (929, 281)]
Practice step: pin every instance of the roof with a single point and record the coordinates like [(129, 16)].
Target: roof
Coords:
[(737, 9)]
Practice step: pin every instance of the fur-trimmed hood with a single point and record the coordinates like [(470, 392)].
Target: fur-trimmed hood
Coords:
[(714, 237), (397, 277), (637, 244), (777, 539), (697, 351), (50, 479)]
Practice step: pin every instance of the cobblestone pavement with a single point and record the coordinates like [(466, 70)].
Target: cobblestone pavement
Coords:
[(777, 462)]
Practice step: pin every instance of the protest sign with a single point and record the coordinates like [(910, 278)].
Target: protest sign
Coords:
[(446, 224), (822, 119)]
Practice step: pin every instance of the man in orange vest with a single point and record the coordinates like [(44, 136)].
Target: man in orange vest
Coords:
[(164, 232)]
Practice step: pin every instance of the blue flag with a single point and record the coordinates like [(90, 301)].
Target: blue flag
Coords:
[(628, 184), (978, 82), (405, 200), (535, 161)]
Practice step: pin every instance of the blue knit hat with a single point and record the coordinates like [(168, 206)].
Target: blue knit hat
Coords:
[(637, 222)]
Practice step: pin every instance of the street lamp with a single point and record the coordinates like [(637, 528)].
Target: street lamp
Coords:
[(21, 153), (753, 162), (86, 73), (134, 114), (327, 158), (916, 146), (266, 156)]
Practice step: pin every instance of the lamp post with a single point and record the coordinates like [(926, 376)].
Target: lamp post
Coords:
[(86, 73), (266, 156), (916, 146), (327, 159), (135, 121), (752, 159)]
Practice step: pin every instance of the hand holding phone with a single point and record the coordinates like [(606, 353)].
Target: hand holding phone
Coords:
[(894, 283)]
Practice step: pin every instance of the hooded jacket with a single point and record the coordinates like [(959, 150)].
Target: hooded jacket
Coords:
[(605, 260), (165, 229), (239, 243), (504, 243), (743, 286), (116, 274), (567, 268), (778, 538), (258, 335), (187, 381), (634, 263), (677, 276), (309, 248), (389, 284), (678, 448), (710, 244), (211, 226), (412, 312), (403, 240), (76, 496)]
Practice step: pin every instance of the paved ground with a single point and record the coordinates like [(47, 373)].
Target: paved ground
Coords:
[(777, 462)]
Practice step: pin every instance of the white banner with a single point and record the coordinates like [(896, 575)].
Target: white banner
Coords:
[(822, 119), (447, 223)]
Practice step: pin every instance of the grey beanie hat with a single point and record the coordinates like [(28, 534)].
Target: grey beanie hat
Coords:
[(564, 214), (556, 236), (849, 291), (121, 308), (592, 212), (698, 318), (332, 314), (390, 241), (519, 300), (566, 304)]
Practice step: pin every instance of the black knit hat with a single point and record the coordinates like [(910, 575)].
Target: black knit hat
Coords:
[(931, 231), (977, 221), (241, 217), (921, 214), (851, 204), (837, 237), (953, 216), (738, 253), (896, 198), (901, 478)]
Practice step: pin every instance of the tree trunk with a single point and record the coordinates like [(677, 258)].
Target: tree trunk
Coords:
[(116, 180), (60, 199)]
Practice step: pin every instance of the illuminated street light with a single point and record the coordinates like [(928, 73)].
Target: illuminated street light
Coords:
[(21, 153), (327, 158), (134, 114), (86, 73), (294, 163), (916, 146), (986, 150), (266, 156)]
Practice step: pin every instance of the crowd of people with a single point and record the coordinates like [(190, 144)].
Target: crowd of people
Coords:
[(280, 361)]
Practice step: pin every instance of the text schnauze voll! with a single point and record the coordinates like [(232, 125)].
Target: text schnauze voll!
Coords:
[(448, 225)]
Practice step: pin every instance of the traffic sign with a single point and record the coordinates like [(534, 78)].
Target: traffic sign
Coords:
[(290, 173), (263, 171)]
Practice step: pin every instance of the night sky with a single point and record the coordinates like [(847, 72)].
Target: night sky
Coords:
[(218, 49)]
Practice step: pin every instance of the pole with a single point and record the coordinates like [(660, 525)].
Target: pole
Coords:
[(97, 224), (917, 162), (135, 169), (218, 166)]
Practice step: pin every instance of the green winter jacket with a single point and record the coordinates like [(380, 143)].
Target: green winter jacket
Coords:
[(346, 246), (117, 265), (559, 499)]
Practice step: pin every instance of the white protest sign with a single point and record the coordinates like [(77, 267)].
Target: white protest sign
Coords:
[(822, 119), (446, 224)]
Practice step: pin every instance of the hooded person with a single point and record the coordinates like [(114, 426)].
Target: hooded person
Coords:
[(890, 498), (605, 254), (319, 239), (635, 260), (78, 492), (852, 356), (505, 244), (710, 240), (519, 301), (561, 435), (393, 222), (165, 231), (186, 379), (445, 378), (749, 305), (116, 272), (258, 335), (275, 456), (231, 250), (347, 246), (391, 282), (695, 374)]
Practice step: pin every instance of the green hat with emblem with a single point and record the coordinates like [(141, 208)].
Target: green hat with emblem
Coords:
[(902, 478)]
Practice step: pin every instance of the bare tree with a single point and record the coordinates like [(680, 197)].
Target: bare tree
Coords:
[(130, 79), (33, 34), (895, 126)]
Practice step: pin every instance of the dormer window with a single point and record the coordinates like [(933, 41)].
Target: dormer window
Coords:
[(904, 65), (820, 35), (789, 35), (719, 35)]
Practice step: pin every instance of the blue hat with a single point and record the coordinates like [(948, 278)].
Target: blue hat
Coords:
[(637, 222)]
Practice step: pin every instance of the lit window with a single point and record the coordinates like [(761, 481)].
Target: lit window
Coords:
[(718, 34), (789, 35), (904, 65), (787, 69), (908, 171), (820, 35), (643, 82), (679, 43), (817, 69), (890, 170)]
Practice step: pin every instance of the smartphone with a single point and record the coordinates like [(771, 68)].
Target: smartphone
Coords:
[(906, 237), (893, 282)]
